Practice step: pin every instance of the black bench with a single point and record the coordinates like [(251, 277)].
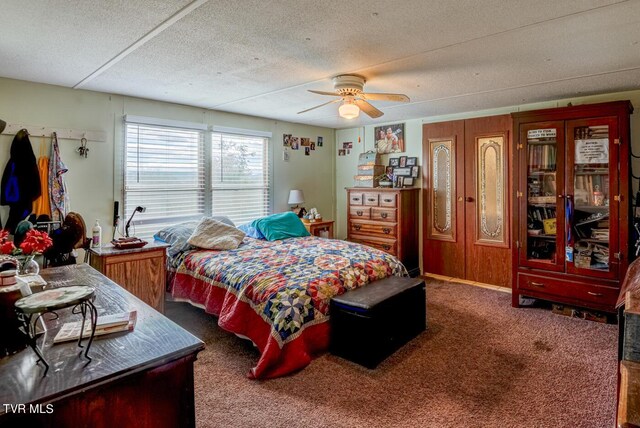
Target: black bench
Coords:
[(370, 323)]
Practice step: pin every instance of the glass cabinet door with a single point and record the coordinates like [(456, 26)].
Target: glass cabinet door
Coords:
[(542, 198), (594, 204)]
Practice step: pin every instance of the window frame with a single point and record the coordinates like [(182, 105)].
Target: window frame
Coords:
[(208, 188)]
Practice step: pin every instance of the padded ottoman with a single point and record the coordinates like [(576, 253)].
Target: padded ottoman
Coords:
[(370, 323)]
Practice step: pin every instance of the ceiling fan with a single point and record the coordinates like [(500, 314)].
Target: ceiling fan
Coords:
[(349, 87)]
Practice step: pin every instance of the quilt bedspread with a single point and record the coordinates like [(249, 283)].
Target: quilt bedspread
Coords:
[(280, 290)]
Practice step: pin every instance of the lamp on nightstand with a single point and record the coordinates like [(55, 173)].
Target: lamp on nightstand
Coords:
[(297, 197), (2, 125)]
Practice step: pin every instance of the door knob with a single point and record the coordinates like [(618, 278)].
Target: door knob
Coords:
[(468, 199)]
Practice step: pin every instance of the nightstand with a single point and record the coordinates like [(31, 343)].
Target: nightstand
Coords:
[(141, 271), (323, 229)]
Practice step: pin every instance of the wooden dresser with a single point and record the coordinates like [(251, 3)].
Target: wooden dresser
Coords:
[(139, 270), (386, 219)]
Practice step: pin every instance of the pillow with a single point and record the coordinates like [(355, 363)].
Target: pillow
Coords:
[(177, 235), (216, 235), (251, 231), (280, 226)]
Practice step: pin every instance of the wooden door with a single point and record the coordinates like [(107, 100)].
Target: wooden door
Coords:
[(487, 154), (443, 199)]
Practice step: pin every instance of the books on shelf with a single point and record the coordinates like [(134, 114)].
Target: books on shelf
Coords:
[(106, 324), (542, 157)]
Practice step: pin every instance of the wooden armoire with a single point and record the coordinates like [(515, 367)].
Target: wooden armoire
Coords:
[(466, 199), (572, 214)]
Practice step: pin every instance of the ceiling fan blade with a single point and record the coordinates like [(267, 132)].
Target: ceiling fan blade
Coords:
[(370, 110), (321, 105), (333, 94), (399, 98)]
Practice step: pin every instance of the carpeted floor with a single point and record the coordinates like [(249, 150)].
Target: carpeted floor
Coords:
[(480, 364)]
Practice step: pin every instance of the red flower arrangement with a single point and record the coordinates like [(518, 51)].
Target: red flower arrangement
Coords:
[(34, 243)]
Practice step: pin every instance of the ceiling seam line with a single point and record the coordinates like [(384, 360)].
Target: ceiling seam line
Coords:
[(527, 85), (141, 41), (468, 94), (216, 106)]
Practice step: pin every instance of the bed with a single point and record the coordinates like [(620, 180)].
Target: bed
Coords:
[(277, 293)]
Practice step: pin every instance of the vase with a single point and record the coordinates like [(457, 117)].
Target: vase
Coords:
[(29, 267)]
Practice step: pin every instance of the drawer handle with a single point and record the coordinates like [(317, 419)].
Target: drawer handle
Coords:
[(384, 215), (386, 230), (594, 294), (357, 226), (359, 212), (386, 247), (537, 284), (355, 199), (371, 200)]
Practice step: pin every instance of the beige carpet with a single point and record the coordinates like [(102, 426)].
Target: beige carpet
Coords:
[(480, 364)]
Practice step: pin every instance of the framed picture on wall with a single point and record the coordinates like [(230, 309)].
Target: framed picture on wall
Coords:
[(394, 162), (389, 138), (415, 171), (412, 161), (407, 181), (403, 161)]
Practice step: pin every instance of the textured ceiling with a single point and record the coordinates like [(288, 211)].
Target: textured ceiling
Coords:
[(260, 57)]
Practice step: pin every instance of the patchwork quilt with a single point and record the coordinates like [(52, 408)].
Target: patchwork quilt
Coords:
[(277, 293)]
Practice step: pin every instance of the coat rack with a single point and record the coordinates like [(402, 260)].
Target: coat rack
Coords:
[(63, 133)]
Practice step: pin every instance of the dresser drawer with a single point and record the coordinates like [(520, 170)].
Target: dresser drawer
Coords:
[(389, 230), (388, 201), (371, 199), (383, 214), (360, 212), (355, 198), (388, 246), (568, 289)]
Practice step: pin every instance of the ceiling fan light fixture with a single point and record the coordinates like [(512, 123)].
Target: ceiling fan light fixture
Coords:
[(349, 111)]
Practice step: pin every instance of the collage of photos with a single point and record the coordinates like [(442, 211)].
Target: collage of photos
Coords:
[(346, 148), (294, 143), (403, 171)]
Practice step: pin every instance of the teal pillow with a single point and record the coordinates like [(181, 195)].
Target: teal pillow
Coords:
[(280, 226)]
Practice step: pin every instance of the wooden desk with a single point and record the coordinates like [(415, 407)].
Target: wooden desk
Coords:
[(143, 378), (628, 414), (316, 227), (140, 270)]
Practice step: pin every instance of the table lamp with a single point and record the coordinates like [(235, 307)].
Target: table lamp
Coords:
[(2, 125), (296, 197), (137, 210)]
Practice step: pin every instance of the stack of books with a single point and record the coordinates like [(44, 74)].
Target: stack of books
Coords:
[(106, 324)]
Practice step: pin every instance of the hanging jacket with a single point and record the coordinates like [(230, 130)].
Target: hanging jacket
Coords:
[(57, 188), (20, 181), (42, 204)]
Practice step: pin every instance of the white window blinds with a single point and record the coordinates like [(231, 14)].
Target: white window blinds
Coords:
[(240, 179), (165, 173)]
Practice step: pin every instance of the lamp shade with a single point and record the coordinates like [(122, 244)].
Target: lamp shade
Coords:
[(349, 111), (296, 197), (2, 125)]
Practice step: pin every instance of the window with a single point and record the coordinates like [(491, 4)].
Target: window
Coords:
[(178, 173), (240, 176)]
